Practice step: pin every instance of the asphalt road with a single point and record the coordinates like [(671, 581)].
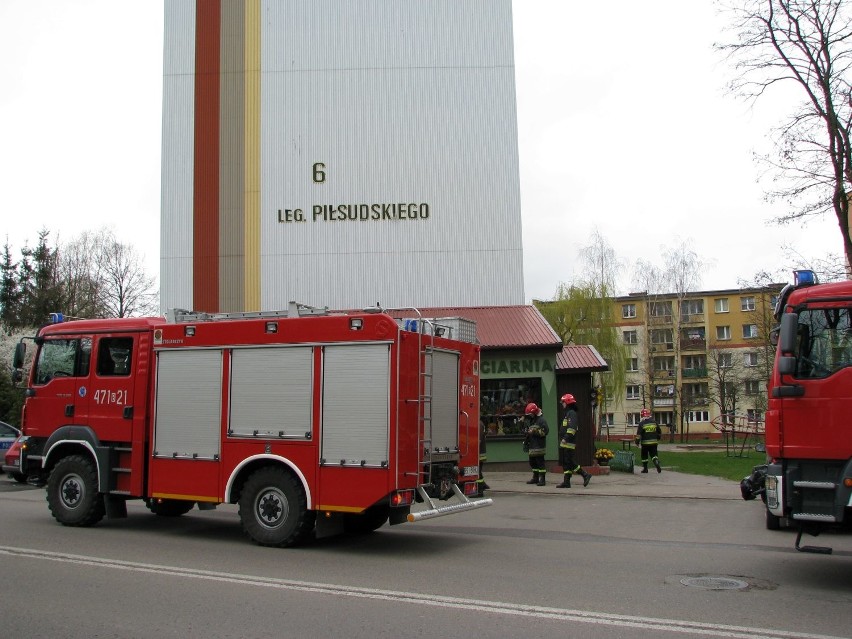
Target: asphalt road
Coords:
[(566, 564)]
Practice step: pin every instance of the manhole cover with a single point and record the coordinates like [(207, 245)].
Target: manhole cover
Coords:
[(714, 583)]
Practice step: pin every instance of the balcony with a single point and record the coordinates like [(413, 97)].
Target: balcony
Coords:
[(658, 320), (692, 318), (695, 400), (667, 374), (694, 372), (663, 401), (688, 344)]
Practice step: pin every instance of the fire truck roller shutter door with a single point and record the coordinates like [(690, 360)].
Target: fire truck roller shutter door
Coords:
[(445, 399), (356, 396), (271, 392), (189, 403)]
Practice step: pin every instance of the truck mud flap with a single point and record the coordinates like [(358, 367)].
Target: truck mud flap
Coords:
[(432, 511)]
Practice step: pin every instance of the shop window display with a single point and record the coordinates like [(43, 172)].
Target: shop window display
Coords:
[(503, 402)]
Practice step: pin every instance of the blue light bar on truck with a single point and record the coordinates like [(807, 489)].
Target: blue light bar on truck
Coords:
[(57, 318), (804, 278)]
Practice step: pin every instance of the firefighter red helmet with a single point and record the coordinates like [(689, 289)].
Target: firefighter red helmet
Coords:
[(644, 413), (531, 409), (568, 398)]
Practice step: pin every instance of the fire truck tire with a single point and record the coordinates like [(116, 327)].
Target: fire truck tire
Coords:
[(72, 492), (371, 519), (169, 507), (20, 478), (273, 508)]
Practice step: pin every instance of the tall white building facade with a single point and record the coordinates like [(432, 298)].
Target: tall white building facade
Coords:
[(339, 154)]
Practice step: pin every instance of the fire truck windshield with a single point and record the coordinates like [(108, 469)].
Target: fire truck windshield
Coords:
[(824, 342)]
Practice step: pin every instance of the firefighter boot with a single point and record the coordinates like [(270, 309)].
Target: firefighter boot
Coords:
[(657, 465), (586, 477), (566, 481), (644, 467), (534, 479), (541, 481)]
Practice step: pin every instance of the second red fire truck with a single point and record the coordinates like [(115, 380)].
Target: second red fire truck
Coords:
[(313, 422)]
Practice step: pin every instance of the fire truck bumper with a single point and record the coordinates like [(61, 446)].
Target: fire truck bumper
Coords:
[(432, 511)]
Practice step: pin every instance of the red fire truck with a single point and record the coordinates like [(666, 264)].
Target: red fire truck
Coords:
[(808, 480), (314, 422)]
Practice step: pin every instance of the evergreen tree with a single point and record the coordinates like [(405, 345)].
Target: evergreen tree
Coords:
[(10, 297)]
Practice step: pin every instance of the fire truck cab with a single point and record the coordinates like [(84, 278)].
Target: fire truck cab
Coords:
[(312, 421)]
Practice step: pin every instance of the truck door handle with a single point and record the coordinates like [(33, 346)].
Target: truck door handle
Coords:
[(128, 412), (69, 410)]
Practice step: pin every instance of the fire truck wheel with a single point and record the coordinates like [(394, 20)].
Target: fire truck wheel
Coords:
[(169, 507), (274, 508), (371, 519), (72, 492)]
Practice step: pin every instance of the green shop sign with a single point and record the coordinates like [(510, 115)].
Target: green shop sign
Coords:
[(516, 366)]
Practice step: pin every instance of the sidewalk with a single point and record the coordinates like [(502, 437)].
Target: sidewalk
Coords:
[(667, 484)]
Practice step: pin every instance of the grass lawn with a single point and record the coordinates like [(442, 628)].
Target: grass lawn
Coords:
[(712, 463)]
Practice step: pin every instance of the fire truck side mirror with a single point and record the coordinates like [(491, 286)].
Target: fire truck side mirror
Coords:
[(786, 365), (18, 358), (787, 336)]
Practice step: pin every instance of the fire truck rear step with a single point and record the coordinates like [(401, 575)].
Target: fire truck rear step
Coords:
[(440, 511)]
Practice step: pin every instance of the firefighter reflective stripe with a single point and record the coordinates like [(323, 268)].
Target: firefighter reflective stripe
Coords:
[(189, 403), (355, 408), (271, 391), (444, 402)]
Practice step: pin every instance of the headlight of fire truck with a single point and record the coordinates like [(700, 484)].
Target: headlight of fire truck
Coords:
[(772, 492)]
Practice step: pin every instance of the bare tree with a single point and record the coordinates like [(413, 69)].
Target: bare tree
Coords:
[(807, 43), (105, 278), (126, 289)]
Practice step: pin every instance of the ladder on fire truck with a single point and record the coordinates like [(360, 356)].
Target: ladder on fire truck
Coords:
[(294, 309)]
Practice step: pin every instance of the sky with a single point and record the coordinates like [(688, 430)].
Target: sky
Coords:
[(624, 129)]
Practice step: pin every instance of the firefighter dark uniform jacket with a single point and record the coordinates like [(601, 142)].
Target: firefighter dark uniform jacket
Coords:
[(568, 429), (647, 432), (537, 436)]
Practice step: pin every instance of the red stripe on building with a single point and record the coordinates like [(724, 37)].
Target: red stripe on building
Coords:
[(205, 218)]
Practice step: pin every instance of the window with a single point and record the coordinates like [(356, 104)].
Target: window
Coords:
[(747, 303), (691, 307), (114, 356), (634, 391), (723, 332), (749, 330), (632, 364), (631, 337), (63, 358), (721, 305), (754, 415), (633, 419), (662, 336), (773, 300), (693, 336), (607, 419), (502, 403), (823, 341), (628, 310), (663, 364), (726, 360), (694, 362), (695, 392), (698, 416), (753, 387), (750, 359), (664, 390), (660, 309)]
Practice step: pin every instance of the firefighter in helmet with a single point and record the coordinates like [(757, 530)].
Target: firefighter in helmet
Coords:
[(535, 442), (648, 436), (567, 443)]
